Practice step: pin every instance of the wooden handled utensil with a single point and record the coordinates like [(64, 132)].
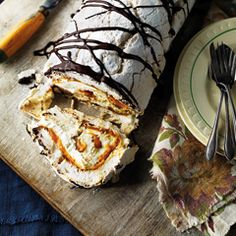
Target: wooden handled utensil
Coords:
[(20, 34)]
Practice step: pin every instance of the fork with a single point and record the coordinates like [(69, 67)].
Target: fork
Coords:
[(231, 63), (225, 80), (221, 71)]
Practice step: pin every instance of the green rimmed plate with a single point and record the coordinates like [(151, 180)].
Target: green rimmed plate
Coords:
[(196, 95)]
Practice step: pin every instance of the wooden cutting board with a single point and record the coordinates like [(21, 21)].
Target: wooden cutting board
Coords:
[(129, 207)]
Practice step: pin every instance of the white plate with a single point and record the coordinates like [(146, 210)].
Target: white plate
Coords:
[(196, 95)]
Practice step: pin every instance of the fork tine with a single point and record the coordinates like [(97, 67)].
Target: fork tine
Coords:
[(217, 55), (232, 65), (212, 52), (217, 59), (224, 56), (220, 58), (228, 50), (213, 72), (212, 49), (231, 62), (230, 53), (233, 68), (215, 64), (230, 59)]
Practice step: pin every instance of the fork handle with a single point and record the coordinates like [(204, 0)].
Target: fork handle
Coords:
[(213, 140), (229, 145), (234, 113)]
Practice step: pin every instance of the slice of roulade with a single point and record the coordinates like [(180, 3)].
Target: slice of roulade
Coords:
[(109, 59), (83, 150)]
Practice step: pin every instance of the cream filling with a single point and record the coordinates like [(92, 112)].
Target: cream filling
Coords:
[(125, 117), (38, 101)]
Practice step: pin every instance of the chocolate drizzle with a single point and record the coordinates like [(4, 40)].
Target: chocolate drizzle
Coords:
[(171, 9), (27, 79), (74, 40)]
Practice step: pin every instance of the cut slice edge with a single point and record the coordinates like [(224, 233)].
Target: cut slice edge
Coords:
[(83, 150), (108, 104)]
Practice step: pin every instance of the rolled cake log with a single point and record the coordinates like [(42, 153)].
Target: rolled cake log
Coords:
[(110, 58)]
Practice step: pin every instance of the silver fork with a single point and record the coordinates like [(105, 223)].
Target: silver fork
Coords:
[(212, 144), (231, 63), (224, 78), (221, 71)]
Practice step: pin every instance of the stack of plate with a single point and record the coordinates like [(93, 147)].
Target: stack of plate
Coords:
[(196, 95)]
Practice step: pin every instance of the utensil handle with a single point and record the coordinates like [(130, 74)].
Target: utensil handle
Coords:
[(229, 147), (234, 113), (19, 35), (213, 140)]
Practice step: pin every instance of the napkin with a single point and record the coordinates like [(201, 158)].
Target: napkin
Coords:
[(19, 204), (195, 193)]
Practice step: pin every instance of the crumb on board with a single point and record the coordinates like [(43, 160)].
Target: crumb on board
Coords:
[(27, 76)]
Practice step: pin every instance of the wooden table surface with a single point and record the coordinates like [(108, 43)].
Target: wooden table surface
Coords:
[(129, 207)]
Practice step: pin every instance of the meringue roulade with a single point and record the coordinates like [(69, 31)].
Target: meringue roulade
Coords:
[(109, 59), (85, 151)]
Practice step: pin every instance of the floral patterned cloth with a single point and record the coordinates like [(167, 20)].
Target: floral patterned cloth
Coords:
[(195, 193)]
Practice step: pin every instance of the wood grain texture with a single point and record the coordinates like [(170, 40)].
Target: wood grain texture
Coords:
[(129, 207)]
